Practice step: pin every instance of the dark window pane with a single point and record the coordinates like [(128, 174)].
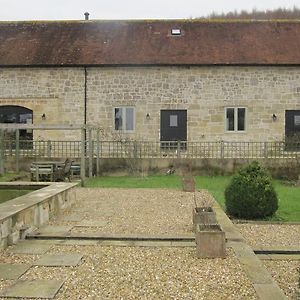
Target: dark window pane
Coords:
[(118, 118), (129, 118), (297, 120), (241, 119), (230, 119)]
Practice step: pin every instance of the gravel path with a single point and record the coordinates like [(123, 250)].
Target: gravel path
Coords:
[(146, 273), (154, 273), (270, 235), (134, 211), (287, 275)]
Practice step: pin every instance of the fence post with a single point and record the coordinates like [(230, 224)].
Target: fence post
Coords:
[(222, 150), (17, 150), (97, 154), (265, 149), (82, 155), (178, 149), (1, 152), (135, 149), (91, 152), (48, 148)]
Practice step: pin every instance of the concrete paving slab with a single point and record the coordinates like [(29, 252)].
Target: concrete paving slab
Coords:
[(12, 271), (269, 292), (30, 247), (45, 289), (79, 243), (56, 230), (276, 248), (255, 271), (279, 256), (59, 260)]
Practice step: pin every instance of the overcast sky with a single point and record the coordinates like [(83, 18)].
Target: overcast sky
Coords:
[(128, 9)]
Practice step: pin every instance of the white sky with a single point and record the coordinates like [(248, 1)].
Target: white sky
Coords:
[(128, 9)]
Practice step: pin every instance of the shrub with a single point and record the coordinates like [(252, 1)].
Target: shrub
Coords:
[(250, 194)]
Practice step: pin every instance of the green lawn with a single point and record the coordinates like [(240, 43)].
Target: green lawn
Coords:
[(157, 181), (289, 196), (7, 177)]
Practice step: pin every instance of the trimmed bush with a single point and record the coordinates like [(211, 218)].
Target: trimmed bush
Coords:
[(250, 194)]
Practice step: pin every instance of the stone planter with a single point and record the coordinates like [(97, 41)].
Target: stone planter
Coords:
[(210, 241), (203, 215), (188, 184)]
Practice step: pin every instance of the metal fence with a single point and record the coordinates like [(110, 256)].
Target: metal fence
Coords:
[(159, 149)]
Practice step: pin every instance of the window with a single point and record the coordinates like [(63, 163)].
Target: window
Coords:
[(173, 121), (176, 31), (235, 118), (19, 115), (124, 118)]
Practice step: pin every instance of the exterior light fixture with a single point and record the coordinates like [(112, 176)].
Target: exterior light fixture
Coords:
[(43, 117), (147, 116), (274, 117)]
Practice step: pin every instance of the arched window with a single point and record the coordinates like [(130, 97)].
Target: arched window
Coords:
[(19, 115)]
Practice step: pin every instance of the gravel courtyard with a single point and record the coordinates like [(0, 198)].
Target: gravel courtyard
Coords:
[(111, 272)]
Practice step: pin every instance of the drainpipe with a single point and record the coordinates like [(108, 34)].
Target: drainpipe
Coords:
[(85, 99)]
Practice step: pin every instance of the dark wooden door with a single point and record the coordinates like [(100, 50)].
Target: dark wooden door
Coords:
[(292, 129), (173, 125)]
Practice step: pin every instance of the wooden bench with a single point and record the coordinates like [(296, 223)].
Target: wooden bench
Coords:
[(41, 172)]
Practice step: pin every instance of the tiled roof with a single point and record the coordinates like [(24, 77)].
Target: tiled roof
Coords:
[(149, 42)]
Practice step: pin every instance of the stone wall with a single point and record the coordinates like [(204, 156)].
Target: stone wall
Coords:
[(24, 214), (203, 91), (56, 92)]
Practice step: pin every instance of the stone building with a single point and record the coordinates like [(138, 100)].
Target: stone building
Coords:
[(153, 80)]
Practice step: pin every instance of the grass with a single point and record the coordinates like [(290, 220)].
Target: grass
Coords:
[(157, 181), (8, 177), (289, 196)]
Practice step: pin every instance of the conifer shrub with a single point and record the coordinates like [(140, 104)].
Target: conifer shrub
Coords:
[(250, 194)]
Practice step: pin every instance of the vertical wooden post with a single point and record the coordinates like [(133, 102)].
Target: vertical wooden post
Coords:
[(1, 152), (17, 150), (97, 154), (82, 155), (49, 148), (91, 152), (265, 150), (222, 150), (178, 148)]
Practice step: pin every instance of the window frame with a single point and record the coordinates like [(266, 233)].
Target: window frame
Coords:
[(235, 120), (123, 107)]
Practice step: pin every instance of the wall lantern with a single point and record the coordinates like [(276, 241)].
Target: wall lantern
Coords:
[(274, 117), (43, 117), (147, 116)]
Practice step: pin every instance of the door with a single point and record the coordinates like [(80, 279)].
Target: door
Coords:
[(292, 129), (173, 127)]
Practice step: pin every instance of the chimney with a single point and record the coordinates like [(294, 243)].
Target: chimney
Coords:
[(86, 14)]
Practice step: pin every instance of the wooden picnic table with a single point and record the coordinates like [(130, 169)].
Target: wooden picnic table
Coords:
[(44, 170)]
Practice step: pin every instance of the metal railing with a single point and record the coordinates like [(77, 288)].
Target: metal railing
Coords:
[(158, 149)]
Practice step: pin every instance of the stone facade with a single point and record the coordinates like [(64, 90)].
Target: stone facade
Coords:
[(204, 92)]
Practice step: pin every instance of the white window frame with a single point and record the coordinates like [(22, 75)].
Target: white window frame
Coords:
[(123, 107), (235, 116)]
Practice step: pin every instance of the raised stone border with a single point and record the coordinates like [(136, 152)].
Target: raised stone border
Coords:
[(24, 214), (263, 283)]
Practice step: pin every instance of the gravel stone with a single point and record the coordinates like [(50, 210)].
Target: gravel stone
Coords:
[(271, 234)]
